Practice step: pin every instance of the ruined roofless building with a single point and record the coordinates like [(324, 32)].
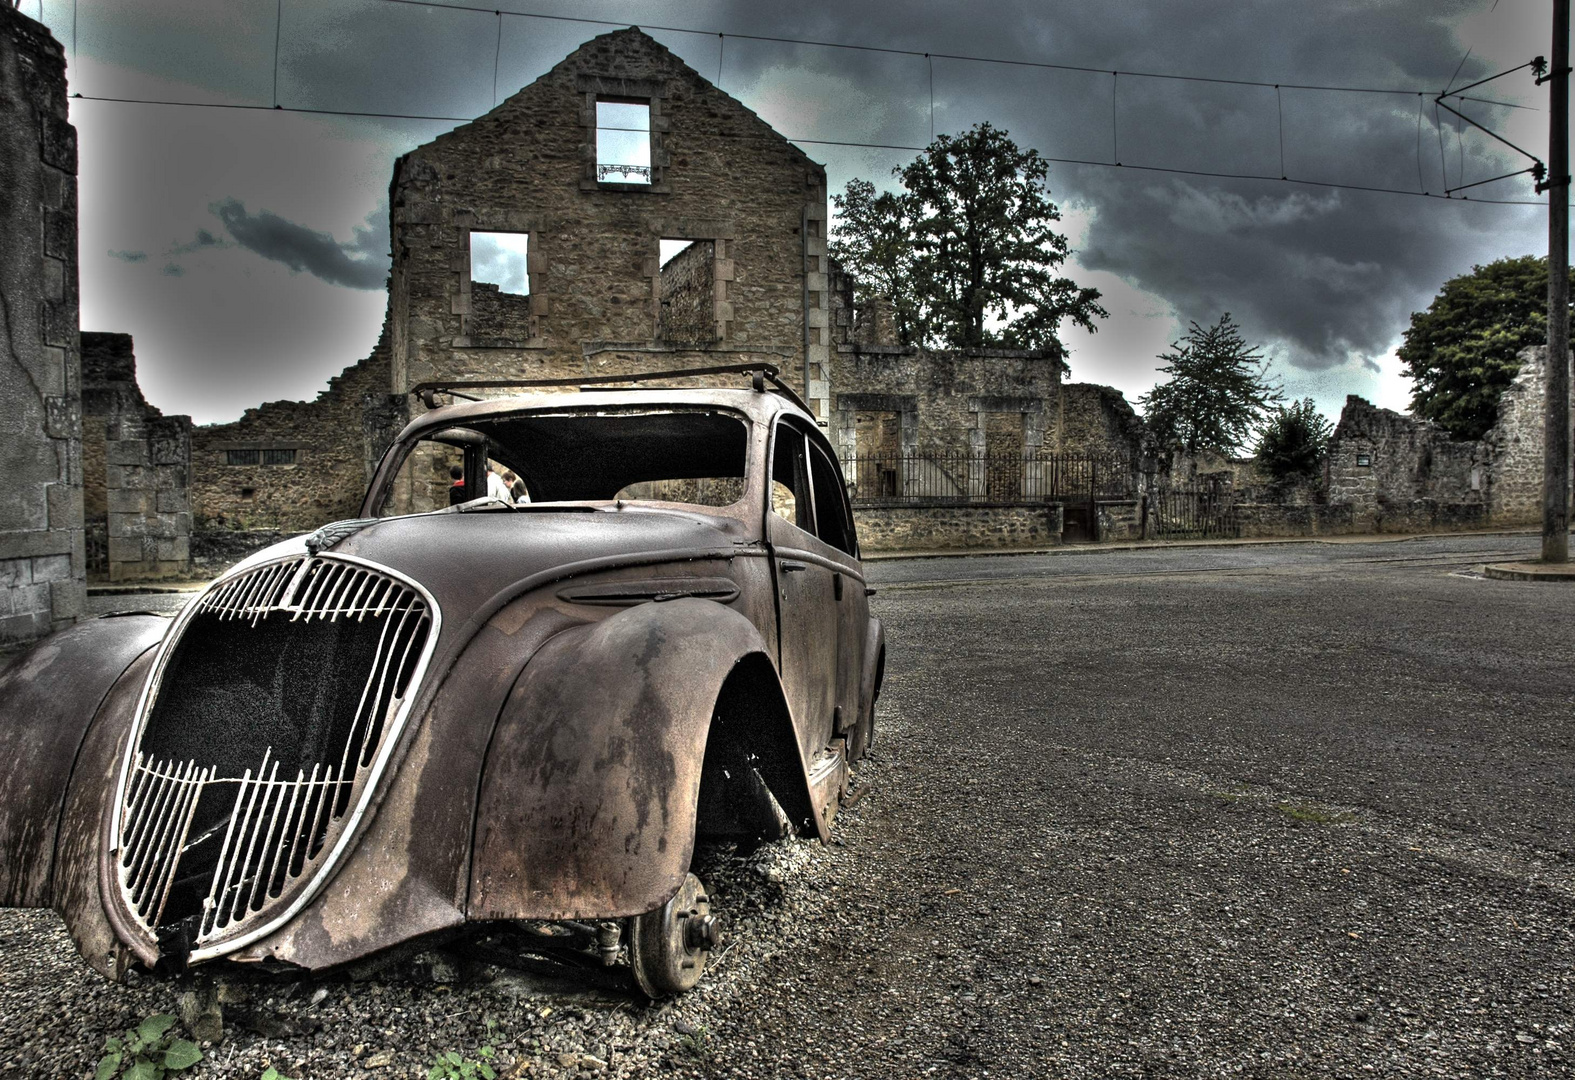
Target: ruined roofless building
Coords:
[(588, 170), (619, 155)]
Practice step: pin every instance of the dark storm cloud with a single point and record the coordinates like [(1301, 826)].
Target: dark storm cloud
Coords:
[(1317, 273), (1322, 272), (360, 264)]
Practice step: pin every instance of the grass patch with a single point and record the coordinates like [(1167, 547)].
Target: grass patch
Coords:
[(1314, 814)]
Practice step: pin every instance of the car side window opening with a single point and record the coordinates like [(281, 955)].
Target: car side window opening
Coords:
[(790, 492), (832, 523)]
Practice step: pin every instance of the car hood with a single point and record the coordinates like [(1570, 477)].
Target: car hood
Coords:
[(467, 561)]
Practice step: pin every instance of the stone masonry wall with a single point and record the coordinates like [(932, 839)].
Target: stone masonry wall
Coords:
[(42, 554), (955, 528), (334, 452), (688, 312), (1399, 473), (718, 173), (1515, 444), (945, 399), (146, 466), (1092, 419)]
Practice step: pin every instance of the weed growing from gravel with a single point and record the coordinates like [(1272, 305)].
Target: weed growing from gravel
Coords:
[(696, 1045), (147, 1052), (452, 1066), (272, 1073)]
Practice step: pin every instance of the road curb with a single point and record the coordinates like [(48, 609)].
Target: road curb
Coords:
[(1530, 571)]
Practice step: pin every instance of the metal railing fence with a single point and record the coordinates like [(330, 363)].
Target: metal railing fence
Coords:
[(1192, 512), (922, 478)]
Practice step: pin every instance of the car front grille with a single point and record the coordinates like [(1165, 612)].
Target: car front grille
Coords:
[(270, 716)]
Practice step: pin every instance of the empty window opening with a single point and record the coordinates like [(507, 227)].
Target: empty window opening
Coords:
[(688, 280), (877, 439), (671, 249), (499, 259), (623, 142)]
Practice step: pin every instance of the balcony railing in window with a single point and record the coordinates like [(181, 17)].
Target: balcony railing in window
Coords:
[(623, 174)]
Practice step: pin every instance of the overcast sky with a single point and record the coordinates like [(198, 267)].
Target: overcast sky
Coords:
[(246, 250)]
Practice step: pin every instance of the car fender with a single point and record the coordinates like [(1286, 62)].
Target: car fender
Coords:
[(874, 653), (869, 687), (588, 799), (48, 698)]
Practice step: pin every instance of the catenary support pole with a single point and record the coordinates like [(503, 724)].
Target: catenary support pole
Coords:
[(1556, 448)]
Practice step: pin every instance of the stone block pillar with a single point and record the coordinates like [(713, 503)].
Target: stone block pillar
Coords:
[(42, 558), (817, 299), (146, 473), (146, 470)]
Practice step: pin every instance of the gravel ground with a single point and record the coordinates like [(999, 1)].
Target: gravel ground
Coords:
[(1271, 812)]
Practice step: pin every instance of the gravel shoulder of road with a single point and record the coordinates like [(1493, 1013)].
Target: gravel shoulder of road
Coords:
[(541, 1018)]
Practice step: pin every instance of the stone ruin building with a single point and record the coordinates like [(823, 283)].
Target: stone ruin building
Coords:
[(677, 230), (662, 225)]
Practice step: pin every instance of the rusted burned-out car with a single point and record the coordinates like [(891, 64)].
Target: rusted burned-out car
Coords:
[(518, 710)]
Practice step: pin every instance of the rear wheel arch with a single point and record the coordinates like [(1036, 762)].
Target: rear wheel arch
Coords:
[(752, 773)]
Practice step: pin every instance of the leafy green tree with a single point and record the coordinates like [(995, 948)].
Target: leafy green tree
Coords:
[(1294, 441), (1218, 392), (874, 243), (1463, 350), (967, 251)]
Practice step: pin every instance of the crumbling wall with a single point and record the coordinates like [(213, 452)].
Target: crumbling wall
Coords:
[(1093, 419), (146, 466), (870, 325), (718, 174), (319, 455), (42, 554), (950, 401), (1400, 473), (1515, 444)]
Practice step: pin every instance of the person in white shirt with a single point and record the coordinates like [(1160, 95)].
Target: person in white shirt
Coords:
[(497, 489)]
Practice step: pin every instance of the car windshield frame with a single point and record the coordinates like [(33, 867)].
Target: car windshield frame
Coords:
[(473, 430)]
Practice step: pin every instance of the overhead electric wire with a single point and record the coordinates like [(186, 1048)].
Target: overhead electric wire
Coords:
[(839, 142), (929, 58), (272, 108), (919, 53)]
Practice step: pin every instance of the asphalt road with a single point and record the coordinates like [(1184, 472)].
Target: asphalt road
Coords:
[(1279, 810), (1286, 810)]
